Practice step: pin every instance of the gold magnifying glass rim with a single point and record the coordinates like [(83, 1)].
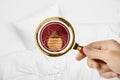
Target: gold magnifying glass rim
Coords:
[(70, 28)]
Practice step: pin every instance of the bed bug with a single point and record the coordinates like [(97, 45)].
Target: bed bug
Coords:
[(54, 42)]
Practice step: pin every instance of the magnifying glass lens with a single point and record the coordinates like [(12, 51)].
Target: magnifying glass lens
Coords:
[(55, 36)]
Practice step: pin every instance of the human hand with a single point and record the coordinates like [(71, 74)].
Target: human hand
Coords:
[(104, 56)]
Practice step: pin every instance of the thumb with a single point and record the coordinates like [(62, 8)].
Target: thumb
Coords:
[(94, 53)]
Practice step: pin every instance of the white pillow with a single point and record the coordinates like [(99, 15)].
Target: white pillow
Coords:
[(86, 32), (27, 27), (90, 32), (114, 32), (91, 11), (9, 40), (12, 10)]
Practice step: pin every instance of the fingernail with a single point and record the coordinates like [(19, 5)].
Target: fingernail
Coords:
[(79, 57), (86, 49)]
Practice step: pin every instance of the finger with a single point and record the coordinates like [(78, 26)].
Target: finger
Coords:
[(105, 71), (93, 63), (103, 67), (80, 56), (101, 45), (118, 76), (108, 75), (95, 53)]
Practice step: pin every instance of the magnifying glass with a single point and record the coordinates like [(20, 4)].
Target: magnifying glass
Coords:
[(55, 36)]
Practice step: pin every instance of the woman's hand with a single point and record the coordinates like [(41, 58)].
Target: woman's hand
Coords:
[(104, 56)]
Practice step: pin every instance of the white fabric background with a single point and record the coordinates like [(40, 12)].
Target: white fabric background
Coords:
[(91, 11), (92, 20)]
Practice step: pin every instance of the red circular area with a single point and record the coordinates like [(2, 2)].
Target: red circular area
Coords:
[(61, 31)]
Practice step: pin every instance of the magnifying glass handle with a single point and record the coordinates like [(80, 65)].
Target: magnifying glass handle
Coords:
[(79, 48)]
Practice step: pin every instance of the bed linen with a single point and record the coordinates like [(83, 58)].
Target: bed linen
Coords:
[(30, 64)]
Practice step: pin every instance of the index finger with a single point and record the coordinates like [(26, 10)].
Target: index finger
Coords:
[(101, 45)]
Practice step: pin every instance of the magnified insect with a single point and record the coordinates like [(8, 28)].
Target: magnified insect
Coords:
[(55, 36)]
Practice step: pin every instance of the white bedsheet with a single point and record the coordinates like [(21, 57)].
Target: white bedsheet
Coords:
[(23, 61)]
